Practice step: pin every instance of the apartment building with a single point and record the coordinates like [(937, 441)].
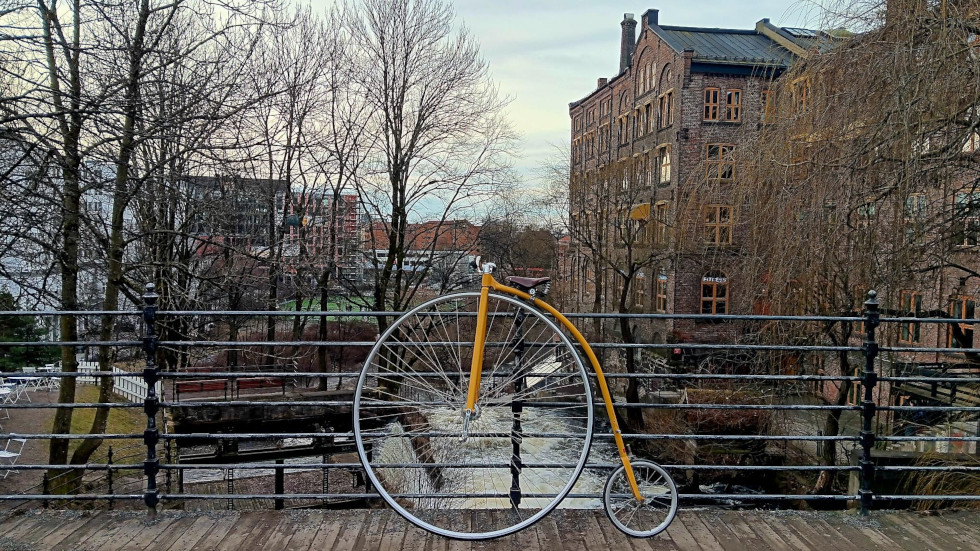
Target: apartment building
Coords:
[(671, 120)]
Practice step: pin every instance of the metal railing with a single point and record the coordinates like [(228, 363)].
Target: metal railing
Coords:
[(741, 423)]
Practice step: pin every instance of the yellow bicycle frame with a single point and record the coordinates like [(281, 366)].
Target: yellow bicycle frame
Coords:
[(476, 368)]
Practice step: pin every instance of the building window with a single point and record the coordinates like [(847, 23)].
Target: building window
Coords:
[(666, 109), (910, 305), (733, 105), (711, 104), (866, 213), (768, 106), (967, 214), (801, 94), (720, 161), (661, 304), (718, 224), (663, 162), (714, 293), (647, 118), (661, 231), (915, 214), (639, 289), (624, 122), (972, 143), (962, 308), (915, 206)]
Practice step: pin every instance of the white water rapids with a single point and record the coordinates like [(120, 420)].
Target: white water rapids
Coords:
[(398, 449)]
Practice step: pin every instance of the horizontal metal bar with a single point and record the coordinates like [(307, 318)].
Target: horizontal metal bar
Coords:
[(68, 497), (87, 466), (52, 436), (618, 405), (927, 438), (7, 344), (954, 380), (604, 466), (348, 374), (928, 349), (72, 405), (928, 408), (930, 468), (938, 497)]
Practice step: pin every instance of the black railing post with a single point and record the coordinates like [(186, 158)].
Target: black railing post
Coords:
[(280, 486), (109, 476), (869, 380), (45, 488), (151, 405)]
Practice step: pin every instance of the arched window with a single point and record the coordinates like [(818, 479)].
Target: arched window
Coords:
[(666, 100), (665, 78), (714, 293)]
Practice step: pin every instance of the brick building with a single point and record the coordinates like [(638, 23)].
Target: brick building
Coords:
[(683, 101)]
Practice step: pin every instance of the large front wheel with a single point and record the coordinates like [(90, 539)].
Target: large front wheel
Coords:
[(490, 472)]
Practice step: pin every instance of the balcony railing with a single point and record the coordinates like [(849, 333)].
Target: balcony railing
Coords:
[(743, 423)]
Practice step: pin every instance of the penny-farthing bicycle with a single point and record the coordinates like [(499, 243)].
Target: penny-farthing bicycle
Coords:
[(473, 417)]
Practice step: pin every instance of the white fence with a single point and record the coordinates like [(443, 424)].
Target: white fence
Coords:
[(130, 387)]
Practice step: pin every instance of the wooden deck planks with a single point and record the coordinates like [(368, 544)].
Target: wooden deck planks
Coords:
[(566, 530), (73, 530), (28, 527), (303, 530), (108, 538), (706, 538), (188, 539), (681, 535), (725, 538)]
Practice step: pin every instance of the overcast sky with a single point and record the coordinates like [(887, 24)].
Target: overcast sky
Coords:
[(545, 54)]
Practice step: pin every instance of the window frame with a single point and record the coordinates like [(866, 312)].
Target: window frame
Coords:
[(801, 93), (660, 302), (733, 105), (658, 217), (910, 305), (768, 106), (663, 154), (665, 110), (712, 103), (714, 280), (966, 210), (720, 166), (714, 227), (961, 307)]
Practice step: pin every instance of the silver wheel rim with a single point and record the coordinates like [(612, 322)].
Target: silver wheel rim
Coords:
[(586, 437), (665, 481)]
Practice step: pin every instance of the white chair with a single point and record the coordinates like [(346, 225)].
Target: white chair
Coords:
[(8, 394), (9, 456), (20, 387)]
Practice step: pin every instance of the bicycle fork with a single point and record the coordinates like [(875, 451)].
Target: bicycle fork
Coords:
[(476, 372)]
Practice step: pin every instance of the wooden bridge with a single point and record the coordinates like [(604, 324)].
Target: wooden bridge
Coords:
[(564, 530)]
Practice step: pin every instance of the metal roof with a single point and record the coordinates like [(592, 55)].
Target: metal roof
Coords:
[(730, 46)]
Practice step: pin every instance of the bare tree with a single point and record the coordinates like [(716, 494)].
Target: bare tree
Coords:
[(867, 172), (439, 142)]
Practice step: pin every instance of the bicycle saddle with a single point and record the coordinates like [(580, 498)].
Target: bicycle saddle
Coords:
[(527, 283)]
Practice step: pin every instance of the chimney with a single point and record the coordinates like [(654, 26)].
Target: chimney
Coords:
[(627, 44), (650, 18), (602, 82)]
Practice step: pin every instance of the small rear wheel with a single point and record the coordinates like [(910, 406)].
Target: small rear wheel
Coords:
[(641, 519)]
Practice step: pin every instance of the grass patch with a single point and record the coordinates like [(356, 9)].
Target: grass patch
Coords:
[(121, 421)]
